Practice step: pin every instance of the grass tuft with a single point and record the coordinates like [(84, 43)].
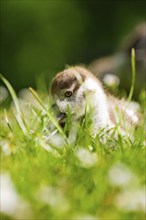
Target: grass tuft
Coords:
[(51, 117), (71, 181), (19, 116)]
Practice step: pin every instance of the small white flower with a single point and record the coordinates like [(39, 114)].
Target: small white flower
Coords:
[(111, 80), (10, 202), (87, 159), (56, 139), (54, 197), (6, 147), (3, 93), (120, 175), (9, 198), (144, 143), (131, 200)]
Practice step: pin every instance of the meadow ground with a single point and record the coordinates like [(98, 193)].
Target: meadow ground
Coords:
[(85, 180)]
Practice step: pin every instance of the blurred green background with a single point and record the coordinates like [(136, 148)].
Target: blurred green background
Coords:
[(41, 37)]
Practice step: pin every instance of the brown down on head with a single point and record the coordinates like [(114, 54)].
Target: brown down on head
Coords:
[(66, 78)]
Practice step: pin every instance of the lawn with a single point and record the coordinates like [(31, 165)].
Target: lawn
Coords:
[(88, 179)]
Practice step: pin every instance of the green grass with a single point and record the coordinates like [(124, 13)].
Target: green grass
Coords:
[(84, 180)]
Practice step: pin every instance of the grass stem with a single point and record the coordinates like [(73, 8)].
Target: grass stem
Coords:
[(133, 67)]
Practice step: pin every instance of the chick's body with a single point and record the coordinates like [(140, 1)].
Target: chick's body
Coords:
[(79, 90)]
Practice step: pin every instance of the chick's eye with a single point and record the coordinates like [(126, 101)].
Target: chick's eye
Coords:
[(68, 93)]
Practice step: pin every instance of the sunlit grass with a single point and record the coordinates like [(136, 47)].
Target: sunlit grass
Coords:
[(85, 179)]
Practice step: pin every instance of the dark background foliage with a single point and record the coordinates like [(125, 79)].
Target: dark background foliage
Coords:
[(41, 37)]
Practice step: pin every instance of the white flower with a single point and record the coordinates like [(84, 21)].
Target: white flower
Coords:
[(6, 147), (120, 175), (11, 203), (9, 198), (54, 197), (3, 93), (131, 200), (144, 143), (111, 80), (87, 159), (56, 139)]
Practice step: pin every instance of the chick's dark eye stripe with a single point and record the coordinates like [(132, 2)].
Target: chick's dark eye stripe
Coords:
[(76, 87)]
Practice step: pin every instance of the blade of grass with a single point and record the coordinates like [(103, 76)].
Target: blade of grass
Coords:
[(16, 103), (54, 121), (7, 120), (133, 66)]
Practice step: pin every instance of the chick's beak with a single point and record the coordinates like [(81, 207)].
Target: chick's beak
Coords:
[(61, 117)]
